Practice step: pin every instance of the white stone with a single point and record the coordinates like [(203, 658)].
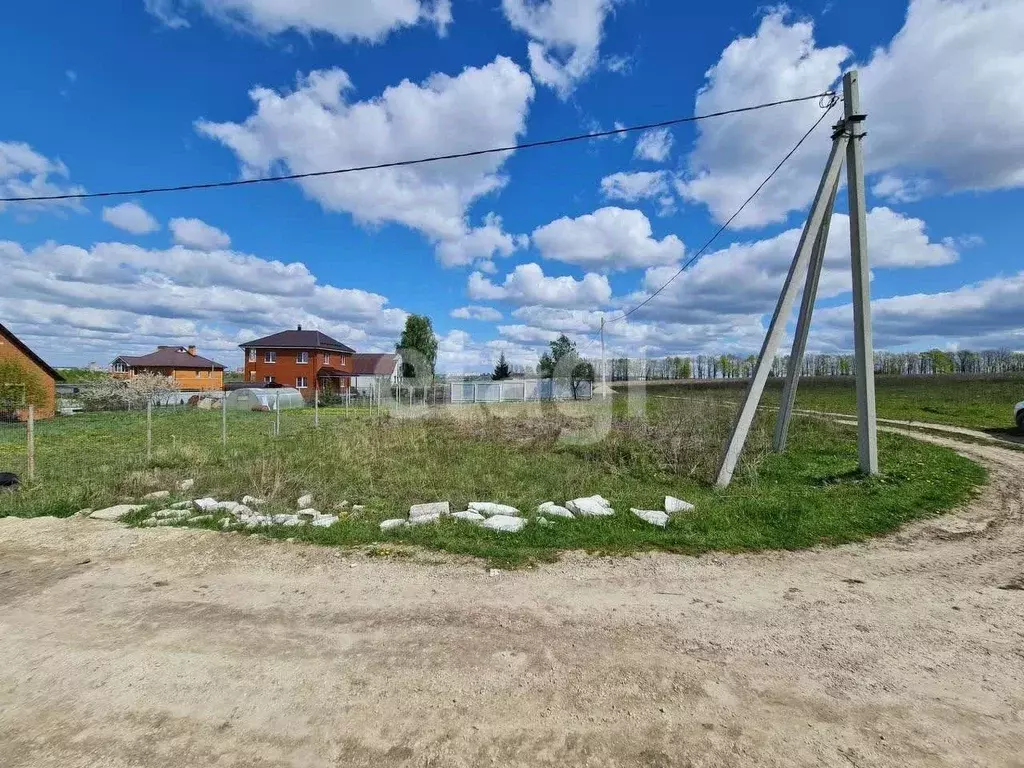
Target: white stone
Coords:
[(388, 525), (424, 519), (325, 521), (253, 501), (309, 514), (553, 510), (156, 495), (116, 512), (306, 500), (505, 523), (434, 509), (469, 516), (186, 485), (358, 507), (652, 516), (285, 519), (206, 504), (673, 505), (181, 505), (490, 508), (292, 523), (590, 506), (234, 508)]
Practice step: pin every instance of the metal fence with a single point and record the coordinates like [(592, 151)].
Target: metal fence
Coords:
[(518, 391)]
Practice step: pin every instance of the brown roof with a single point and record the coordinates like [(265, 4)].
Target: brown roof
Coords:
[(170, 357), (299, 339), (30, 354), (374, 365)]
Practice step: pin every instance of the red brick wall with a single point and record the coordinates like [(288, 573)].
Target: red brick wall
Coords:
[(10, 352), (286, 369)]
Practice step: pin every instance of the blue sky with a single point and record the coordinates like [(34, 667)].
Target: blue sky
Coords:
[(502, 252)]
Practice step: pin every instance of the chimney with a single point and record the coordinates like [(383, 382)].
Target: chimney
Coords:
[(299, 328), (192, 349)]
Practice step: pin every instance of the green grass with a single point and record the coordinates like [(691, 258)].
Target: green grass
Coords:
[(974, 402), (809, 496)]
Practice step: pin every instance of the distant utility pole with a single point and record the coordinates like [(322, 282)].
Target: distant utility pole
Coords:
[(604, 369), (810, 253)]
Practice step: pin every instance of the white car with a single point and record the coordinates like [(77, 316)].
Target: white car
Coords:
[(1018, 414)]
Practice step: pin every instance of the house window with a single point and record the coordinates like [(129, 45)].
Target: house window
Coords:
[(199, 374), (120, 367), (252, 355), (269, 356), (252, 375), (327, 358), (303, 357), (300, 382), (268, 379)]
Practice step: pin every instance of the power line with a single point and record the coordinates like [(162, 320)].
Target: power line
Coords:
[(834, 100), (419, 161)]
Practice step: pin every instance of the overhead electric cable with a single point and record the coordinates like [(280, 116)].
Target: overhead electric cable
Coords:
[(419, 161), (721, 229)]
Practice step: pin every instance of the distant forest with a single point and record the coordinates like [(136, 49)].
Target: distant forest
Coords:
[(935, 362)]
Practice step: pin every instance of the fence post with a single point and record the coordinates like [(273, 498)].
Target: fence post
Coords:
[(224, 420), (316, 408), (31, 428), (277, 413), (149, 431)]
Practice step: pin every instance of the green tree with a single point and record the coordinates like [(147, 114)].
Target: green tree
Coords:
[(418, 347), (565, 362), (501, 370)]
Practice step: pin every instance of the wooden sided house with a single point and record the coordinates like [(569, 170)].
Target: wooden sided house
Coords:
[(306, 360), (12, 349), (191, 372)]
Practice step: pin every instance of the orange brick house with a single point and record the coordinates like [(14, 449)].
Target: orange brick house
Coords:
[(190, 372), (13, 349), (306, 360)]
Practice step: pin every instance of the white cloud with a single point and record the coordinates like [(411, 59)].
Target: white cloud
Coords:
[(733, 153), (131, 217), (26, 173), (484, 314), (113, 298), (941, 100), (196, 233), (528, 284), (634, 186), (654, 145), (609, 238), (317, 127), (480, 244), (458, 352), (368, 20), (565, 38)]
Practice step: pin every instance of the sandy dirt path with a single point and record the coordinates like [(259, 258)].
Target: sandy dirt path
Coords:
[(173, 647)]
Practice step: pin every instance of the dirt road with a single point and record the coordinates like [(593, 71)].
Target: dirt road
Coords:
[(166, 647)]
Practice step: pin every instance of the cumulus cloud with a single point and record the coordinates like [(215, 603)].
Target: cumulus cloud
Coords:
[(634, 186), (317, 126), (458, 352), (27, 173), (485, 314), (367, 20), (131, 217), (654, 145), (115, 298), (609, 238), (944, 80), (528, 284), (197, 234), (565, 38)]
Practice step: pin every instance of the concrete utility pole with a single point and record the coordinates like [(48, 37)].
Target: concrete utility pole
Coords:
[(846, 140), (782, 310), (224, 420), (604, 369), (149, 431), (803, 324), (864, 351)]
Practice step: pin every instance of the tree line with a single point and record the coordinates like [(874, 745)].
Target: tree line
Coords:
[(934, 362)]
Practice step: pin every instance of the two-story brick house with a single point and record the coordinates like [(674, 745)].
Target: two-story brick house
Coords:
[(306, 360)]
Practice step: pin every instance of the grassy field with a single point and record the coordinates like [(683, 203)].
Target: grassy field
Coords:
[(975, 402), (512, 454)]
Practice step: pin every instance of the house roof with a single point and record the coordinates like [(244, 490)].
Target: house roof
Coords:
[(7, 334), (170, 357), (299, 339), (374, 364)]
